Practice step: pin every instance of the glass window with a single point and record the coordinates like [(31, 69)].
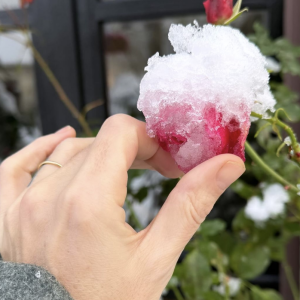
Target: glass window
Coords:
[(9, 4), (19, 118)]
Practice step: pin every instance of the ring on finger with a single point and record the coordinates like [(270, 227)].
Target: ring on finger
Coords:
[(49, 162)]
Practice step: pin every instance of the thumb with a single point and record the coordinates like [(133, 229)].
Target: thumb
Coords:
[(189, 203)]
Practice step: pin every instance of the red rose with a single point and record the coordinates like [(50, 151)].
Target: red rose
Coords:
[(218, 11), (215, 136), (197, 102), (25, 2)]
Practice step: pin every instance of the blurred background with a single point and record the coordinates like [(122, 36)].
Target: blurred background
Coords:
[(94, 53)]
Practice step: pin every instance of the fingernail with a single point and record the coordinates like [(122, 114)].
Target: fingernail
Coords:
[(229, 173), (63, 130)]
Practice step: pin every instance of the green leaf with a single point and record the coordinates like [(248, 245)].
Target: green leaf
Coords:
[(225, 241), (208, 249), (233, 18), (273, 295), (211, 295), (195, 275), (248, 261), (281, 49), (212, 227), (241, 222), (259, 294), (243, 189), (292, 228), (243, 295), (276, 246), (215, 277), (237, 7)]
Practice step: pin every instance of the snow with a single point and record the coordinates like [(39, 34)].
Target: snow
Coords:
[(273, 65), (271, 206), (233, 284), (217, 71), (13, 50), (288, 141)]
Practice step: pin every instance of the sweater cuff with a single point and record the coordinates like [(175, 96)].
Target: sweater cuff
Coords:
[(29, 282)]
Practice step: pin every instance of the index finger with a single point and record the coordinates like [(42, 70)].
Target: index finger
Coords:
[(16, 171), (121, 140)]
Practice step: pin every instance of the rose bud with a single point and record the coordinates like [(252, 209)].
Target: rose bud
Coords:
[(25, 2), (197, 102), (218, 11)]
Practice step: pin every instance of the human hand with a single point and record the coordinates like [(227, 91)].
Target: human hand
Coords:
[(71, 221)]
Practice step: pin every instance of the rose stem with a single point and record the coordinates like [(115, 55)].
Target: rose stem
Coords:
[(256, 158)]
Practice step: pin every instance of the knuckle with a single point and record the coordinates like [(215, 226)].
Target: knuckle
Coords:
[(7, 166), (67, 145), (32, 206), (41, 141), (72, 201), (30, 200), (80, 213), (197, 208), (118, 120)]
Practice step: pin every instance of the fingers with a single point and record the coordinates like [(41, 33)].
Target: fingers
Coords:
[(189, 203), (121, 141), (162, 162), (62, 154), (15, 171)]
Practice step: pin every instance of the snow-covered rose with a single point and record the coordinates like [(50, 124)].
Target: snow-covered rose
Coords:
[(197, 102)]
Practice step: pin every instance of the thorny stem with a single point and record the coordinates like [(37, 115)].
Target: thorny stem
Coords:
[(290, 279), (60, 91), (256, 158), (57, 86), (288, 129)]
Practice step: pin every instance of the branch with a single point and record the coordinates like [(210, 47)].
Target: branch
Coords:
[(57, 86), (60, 91), (256, 158)]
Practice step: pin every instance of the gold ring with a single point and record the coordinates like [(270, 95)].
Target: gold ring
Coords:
[(48, 162)]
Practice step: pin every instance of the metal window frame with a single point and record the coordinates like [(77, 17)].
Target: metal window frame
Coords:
[(78, 60)]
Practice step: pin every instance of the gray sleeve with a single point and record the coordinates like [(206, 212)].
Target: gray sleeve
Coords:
[(29, 282)]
